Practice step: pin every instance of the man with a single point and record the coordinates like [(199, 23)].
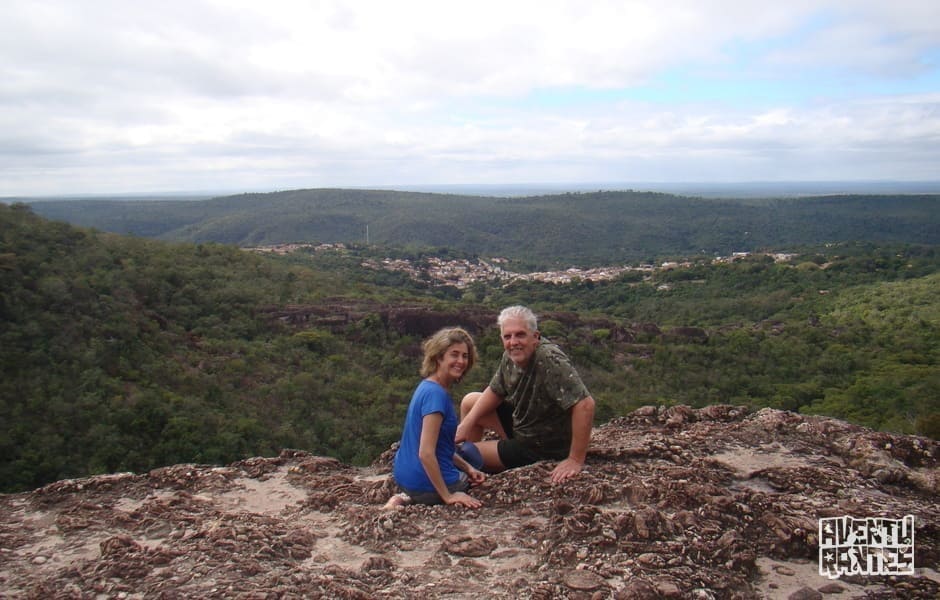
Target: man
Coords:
[(535, 402)]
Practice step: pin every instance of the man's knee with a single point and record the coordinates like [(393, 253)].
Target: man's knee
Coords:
[(468, 402)]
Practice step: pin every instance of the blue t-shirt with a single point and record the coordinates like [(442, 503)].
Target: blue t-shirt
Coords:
[(429, 397)]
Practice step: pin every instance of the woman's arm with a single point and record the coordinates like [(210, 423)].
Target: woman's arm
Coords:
[(430, 431), (474, 475)]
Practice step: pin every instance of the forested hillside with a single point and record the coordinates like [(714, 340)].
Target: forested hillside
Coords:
[(121, 353), (564, 229)]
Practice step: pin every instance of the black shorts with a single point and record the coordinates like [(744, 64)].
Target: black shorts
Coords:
[(504, 413), (512, 453)]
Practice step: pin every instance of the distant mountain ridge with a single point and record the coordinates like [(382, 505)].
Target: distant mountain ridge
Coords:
[(581, 228)]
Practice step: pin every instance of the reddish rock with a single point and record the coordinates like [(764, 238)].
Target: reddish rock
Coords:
[(674, 502), (468, 545), (583, 580)]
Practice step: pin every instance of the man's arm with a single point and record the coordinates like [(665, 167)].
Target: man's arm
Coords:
[(582, 421), (485, 405)]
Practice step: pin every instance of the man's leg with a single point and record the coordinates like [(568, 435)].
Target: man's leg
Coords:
[(499, 455), (487, 421), (490, 453)]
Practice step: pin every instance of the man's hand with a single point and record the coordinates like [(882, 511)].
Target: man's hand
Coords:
[(461, 435), (566, 469)]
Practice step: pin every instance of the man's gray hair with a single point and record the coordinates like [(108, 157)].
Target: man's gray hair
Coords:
[(518, 312)]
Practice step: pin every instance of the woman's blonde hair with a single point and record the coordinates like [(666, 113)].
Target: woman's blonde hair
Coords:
[(435, 346)]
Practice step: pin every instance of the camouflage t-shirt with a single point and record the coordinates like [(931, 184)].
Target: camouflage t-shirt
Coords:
[(541, 396)]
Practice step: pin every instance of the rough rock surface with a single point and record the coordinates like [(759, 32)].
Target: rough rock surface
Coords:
[(674, 503)]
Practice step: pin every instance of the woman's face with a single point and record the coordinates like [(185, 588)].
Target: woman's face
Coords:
[(453, 364)]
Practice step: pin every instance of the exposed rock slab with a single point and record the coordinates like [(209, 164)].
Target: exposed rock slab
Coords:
[(675, 503)]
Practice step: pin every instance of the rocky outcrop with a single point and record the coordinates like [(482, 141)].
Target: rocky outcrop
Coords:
[(418, 320), (695, 335), (674, 503), (422, 320)]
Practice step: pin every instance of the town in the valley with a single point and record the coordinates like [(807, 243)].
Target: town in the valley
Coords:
[(461, 273)]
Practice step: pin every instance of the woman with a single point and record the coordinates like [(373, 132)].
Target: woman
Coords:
[(427, 467)]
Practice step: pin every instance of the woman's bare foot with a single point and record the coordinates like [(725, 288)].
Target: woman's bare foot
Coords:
[(397, 501)]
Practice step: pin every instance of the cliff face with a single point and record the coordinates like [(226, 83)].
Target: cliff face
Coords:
[(675, 502)]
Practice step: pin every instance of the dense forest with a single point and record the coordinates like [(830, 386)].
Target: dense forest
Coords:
[(126, 353), (540, 231)]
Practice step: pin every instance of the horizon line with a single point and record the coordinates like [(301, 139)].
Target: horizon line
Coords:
[(736, 188)]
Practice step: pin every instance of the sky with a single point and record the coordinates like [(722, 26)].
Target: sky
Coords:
[(111, 96)]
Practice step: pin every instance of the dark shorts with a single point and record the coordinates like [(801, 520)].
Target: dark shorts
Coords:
[(504, 413), (512, 453), (461, 485)]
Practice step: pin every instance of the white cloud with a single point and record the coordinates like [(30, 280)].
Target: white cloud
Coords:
[(100, 96)]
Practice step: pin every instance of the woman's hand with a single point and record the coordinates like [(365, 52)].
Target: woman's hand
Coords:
[(462, 499), (475, 476)]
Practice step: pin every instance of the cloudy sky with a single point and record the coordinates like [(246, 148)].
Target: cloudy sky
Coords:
[(112, 96)]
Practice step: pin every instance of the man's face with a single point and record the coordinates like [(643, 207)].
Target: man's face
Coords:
[(518, 341)]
